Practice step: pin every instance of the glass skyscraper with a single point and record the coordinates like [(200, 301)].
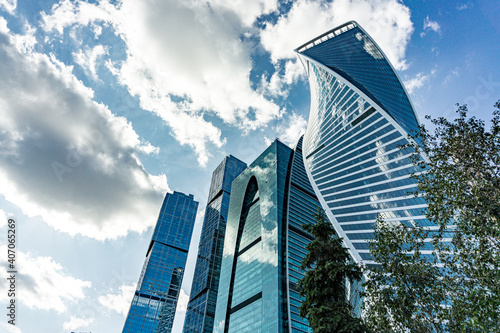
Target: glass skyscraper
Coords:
[(360, 117), (153, 306), (201, 308), (265, 244), (349, 162)]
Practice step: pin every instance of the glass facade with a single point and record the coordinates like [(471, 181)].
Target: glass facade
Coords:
[(155, 300), (302, 206), (253, 282), (265, 245), (353, 55), (201, 308), (360, 117)]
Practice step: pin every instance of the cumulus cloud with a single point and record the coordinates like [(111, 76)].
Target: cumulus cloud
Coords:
[(119, 302), (387, 21), (44, 283), (75, 323), (9, 6), (88, 59), (3, 218), (248, 11), (66, 157), (9, 328), (417, 82), (284, 76), (294, 128), (184, 60), (430, 26)]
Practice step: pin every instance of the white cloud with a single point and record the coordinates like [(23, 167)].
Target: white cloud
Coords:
[(88, 59), (9, 6), (430, 25), (66, 157), (43, 283), (184, 60), (9, 328), (290, 134), (180, 313), (417, 82), (464, 6), (268, 141), (387, 21), (75, 323), (280, 81), (248, 11), (119, 302), (182, 302), (3, 218)]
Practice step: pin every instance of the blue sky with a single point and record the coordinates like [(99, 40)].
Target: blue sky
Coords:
[(106, 105)]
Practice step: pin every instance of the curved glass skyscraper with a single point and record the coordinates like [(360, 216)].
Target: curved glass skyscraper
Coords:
[(265, 244), (349, 162), (360, 116)]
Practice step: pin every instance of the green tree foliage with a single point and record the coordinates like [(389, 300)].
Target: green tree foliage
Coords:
[(462, 188), (461, 185), (405, 292), (324, 287)]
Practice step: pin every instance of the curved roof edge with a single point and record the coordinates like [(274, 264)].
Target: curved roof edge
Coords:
[(327, 35), (344, 28)]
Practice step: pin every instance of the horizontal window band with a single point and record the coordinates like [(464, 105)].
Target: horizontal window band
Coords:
[(246, 248), (153, 297), (245, 303), (165, 244), (315, 151), (379, 125), (363, 116), (303, 190), (301, 232)]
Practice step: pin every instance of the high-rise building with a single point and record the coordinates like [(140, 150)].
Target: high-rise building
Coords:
[(351, 164), (360, 117), (201, 308), (264, 245), (153, 306)]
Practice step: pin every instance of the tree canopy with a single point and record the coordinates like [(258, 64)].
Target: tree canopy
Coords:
[(404, 292), (461, 184), (324, 285)]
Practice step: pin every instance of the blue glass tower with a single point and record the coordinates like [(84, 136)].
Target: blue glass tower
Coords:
[(201, 308), (264, 245), (349, 162), (360, 117), (153, 306)]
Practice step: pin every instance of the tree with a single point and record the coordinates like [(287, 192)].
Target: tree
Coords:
[(461, 185), (405, 291), (328, 268)]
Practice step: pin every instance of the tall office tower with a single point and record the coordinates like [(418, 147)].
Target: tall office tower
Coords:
[(360, 116), (264, 245), (153, 306), (201, 308)]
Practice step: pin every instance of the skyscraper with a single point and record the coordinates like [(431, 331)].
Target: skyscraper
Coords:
[(153, 306), (360, 117), (265, 244), (351, 164), (201, 308)]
